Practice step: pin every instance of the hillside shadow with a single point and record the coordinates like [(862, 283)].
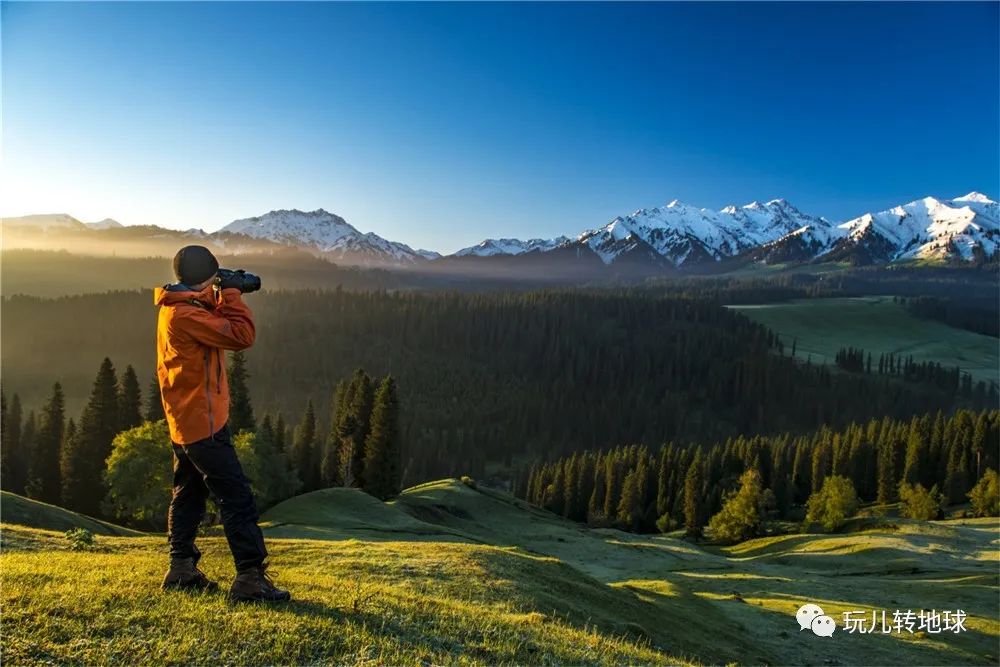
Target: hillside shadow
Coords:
[(773, 637)]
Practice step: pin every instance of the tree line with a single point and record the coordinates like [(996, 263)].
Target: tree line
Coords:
[(637, 489), (494, 378), (856, 360), (978, 315), (77, 463)]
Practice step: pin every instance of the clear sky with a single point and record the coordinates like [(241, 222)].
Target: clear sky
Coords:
[(441, 124)]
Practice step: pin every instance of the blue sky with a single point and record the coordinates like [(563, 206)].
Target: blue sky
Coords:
[(441, 124)]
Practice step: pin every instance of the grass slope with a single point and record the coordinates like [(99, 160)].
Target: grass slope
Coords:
[(451, 574), (876, 325), (26, 512)]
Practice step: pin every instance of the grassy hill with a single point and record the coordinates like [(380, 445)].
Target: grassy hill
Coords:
[(450, 574), (876, 325), (26, 512)]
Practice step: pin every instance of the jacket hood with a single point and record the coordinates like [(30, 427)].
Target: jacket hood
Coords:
[(171, 295)]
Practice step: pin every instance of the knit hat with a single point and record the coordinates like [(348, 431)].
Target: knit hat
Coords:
[(194, 264)]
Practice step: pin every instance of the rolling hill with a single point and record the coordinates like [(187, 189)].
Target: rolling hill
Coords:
[(451, 574)]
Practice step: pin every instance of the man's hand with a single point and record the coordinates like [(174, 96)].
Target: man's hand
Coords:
[(228, 279)]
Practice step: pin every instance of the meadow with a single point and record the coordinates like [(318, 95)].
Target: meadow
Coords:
[(876, 324), (451, 574)]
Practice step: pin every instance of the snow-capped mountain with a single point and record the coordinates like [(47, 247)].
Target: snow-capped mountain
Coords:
[(673, 236), (959, 229), (492, 247), (676, 234), (328, 233), (684, 234), (928, 228)]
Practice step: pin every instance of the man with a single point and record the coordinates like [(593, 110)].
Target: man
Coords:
[(200, 317)]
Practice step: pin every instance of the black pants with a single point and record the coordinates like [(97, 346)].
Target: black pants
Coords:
[(211, 466)]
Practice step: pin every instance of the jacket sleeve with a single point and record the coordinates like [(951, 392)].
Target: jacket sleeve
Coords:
[(229, 327)]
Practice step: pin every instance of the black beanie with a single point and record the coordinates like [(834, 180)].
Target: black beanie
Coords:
[(194, 264)]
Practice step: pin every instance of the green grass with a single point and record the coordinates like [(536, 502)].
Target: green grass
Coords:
[(26, 512), (876, 325), (447, 574)]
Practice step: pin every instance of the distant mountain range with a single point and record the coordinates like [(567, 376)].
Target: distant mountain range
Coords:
[(669, 238), (329, 234)]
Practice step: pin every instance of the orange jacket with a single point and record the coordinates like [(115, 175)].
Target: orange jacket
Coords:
[(192, 331)]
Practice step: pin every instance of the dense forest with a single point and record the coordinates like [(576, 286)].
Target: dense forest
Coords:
[(113, 460), (978, 315), (494, 377), (645, 489), (962, 286)]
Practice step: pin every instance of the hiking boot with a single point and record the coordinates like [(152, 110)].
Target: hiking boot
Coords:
[(255, 585), (183, 573)]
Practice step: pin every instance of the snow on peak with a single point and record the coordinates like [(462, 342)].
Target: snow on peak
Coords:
[(974, 196), (679, 232), (492, 247), (325, 232), (929, 227)]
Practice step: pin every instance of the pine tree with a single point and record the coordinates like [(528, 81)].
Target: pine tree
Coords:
[(129, 400), (645, 519), (154, 402), (780, 481), (886, 473), (14, 461), (585, 486), (266, 430), (614, 475), (916, 454), (595, 506), (331, 472), (801, 471), (821, 462), (304, 449), (694, 518), (569, 485), (28, 431), (240, 407), (43, 472), (663, 481), (956, 483), (281, 436), (82, 461), (382, 464), (360, 411), (979, 443), (628, 512), (555, 493)]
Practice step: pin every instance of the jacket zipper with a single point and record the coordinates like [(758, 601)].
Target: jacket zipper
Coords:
[(208, 391), (218, 371)]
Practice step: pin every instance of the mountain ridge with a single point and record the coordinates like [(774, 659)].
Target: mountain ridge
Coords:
[(676, 236)]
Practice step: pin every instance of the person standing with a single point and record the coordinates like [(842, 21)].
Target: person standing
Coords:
[(199, 318)]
